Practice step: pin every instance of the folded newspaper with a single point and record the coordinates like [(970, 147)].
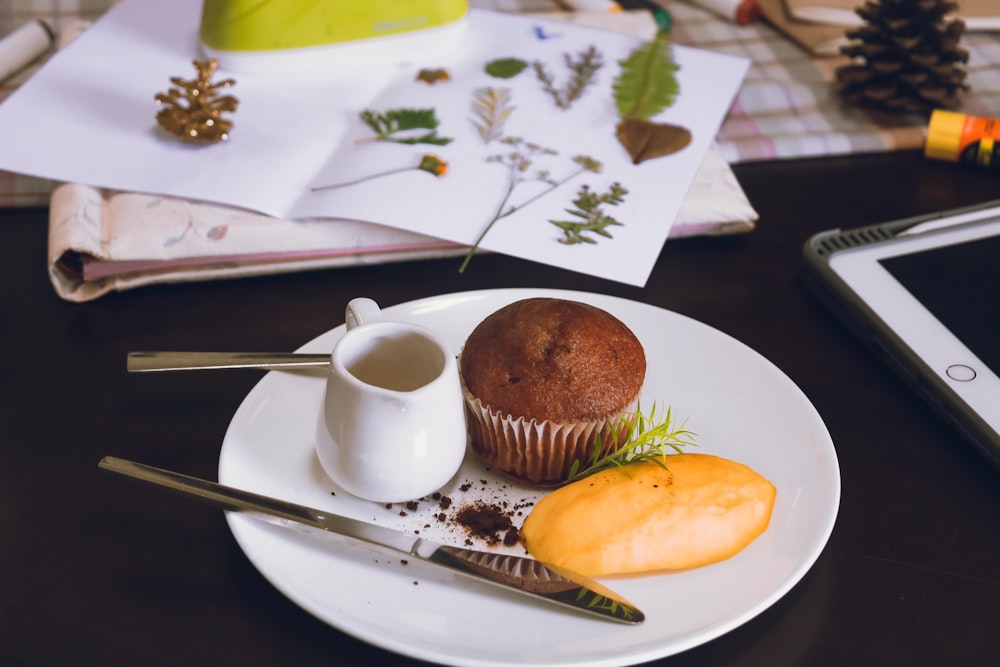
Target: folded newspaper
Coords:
[(102, 241)]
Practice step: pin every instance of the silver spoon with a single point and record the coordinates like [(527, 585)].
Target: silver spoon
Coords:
[(146, 362)]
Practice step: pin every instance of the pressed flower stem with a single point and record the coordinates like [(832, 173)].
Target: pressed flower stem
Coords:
[(511, 184), (362, 179), (496, 216), (544, 192)]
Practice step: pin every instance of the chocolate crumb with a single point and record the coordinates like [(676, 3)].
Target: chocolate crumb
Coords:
[(412, 505), (445, 502), (488, 522)]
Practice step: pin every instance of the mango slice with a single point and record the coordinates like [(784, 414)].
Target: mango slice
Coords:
[(641, 518)]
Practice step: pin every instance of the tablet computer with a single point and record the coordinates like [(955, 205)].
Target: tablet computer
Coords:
[(925, 293)]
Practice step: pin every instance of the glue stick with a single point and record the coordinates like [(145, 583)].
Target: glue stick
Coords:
[(959, 137)]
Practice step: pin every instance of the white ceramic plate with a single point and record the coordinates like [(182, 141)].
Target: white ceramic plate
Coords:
[(741, 406)]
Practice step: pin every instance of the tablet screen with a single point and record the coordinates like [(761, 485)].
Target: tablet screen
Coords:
[(928, 297), (960, 286)]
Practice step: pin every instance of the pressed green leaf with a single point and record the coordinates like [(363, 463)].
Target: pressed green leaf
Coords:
[(647, 83), (505, 68)]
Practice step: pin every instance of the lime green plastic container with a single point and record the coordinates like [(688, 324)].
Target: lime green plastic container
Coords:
[(284, 35)]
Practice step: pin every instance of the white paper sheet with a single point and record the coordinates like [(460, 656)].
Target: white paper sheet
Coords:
[(88, 116)]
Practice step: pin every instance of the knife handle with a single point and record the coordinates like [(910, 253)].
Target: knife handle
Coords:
[(215, 494), (237, 500)]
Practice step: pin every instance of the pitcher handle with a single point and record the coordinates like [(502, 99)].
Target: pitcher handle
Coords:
[(361, 311)]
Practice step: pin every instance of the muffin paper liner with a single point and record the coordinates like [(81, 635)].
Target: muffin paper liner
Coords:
[(528, 450)]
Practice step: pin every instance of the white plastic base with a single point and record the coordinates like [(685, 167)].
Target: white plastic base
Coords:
[(420, 44)]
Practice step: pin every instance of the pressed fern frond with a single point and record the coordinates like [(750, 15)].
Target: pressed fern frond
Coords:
[(647, 83), (590, 218), (583, 70), (393, 121), (492, 108)]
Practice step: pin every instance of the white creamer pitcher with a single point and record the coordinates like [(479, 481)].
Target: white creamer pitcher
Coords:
[(392, 424)]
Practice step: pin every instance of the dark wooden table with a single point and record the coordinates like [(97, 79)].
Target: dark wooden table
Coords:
[(94, 570)]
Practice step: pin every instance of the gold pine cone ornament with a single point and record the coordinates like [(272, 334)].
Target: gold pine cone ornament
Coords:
[(192, 110)]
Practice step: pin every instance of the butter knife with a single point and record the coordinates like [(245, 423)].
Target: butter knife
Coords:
[(523, 575)]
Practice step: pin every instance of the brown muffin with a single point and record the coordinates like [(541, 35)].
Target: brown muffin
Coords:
[(543, 378)]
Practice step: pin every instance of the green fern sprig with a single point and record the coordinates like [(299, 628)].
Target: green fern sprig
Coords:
[(591, 218), (492, 108), (642, 438), (583, 70), (393, 121)]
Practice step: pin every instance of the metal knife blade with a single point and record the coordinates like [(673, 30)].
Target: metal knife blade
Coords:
[(524, 575)]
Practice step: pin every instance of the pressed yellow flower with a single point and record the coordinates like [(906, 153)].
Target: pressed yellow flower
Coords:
[(432, 76), (432, 164)]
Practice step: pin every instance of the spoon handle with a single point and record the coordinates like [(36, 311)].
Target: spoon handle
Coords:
[(146, 362)]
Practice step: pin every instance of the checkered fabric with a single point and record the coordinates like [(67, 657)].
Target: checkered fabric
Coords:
[(60, 15), (787, 107)]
